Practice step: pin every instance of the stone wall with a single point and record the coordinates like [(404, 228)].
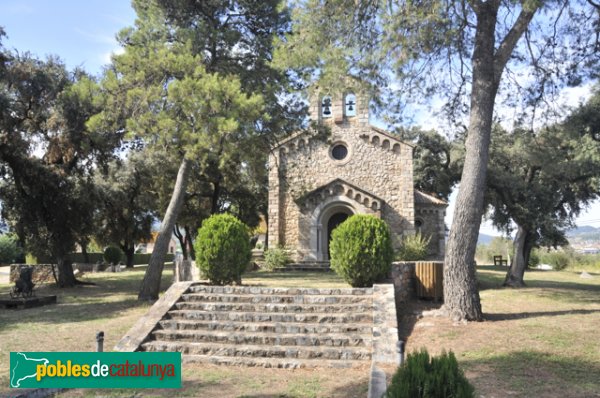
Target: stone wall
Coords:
[(434, 227), (402, 275), (377, 163)]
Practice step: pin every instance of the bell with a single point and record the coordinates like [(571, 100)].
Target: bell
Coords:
[(350, 105), (327, 106)]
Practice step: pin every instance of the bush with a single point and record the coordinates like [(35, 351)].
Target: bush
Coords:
[(421, 376), (223, 249), (413, 248), (534, 259), (9, 249), (559, 260), (112, 255), (276, 258), (361, 250)]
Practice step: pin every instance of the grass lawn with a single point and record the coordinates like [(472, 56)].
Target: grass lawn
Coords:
[(540, 341), (111, 306)]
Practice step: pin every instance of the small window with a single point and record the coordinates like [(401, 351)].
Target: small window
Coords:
[(339, 152), (350, 105), (326, 107), (418, 225)]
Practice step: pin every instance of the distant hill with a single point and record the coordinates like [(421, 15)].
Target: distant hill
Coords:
[(585, 229), (485, 239), (584, 234)]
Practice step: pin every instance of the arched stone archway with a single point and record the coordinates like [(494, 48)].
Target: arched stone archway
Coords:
[(325, 219)]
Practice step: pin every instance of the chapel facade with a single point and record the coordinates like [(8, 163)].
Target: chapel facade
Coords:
[(315, 184)]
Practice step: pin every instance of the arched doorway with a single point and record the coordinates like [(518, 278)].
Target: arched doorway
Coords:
[(334, 222), (331, 217)]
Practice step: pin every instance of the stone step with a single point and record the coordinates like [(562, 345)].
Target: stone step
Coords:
[(272, 317), (271, 339), (279, 308), (277, 299), (253, 290), (285, 363), (296, 352), (264, 327)]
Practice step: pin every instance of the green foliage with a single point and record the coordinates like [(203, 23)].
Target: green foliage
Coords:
[(534, 259), (499, 246), (276, 257), (361, 250), (424, 377), (223, 249), (413, 248), (112, 255), (9, 249), (559, 260)]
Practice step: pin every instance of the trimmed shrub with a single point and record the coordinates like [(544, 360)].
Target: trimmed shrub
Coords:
[(361, 250), (9, 249), (413, 248), (223, 249), (424, 377), (276, 257), (112, 255)]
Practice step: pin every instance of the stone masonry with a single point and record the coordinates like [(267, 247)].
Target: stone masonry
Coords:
[(311, 185)]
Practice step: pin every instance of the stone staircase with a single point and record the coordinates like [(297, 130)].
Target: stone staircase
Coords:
[(270, 327)]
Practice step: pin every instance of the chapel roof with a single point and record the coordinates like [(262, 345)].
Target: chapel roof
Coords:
[(422, 198), (378, 130)]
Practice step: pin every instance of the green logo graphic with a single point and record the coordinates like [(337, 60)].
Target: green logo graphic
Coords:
[(95, 370)]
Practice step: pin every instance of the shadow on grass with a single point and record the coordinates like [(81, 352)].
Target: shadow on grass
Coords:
[(524, 315), (112, 294), (530, 373)]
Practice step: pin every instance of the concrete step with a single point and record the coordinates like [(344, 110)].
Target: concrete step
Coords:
[(253, 290), (286, 363), (271, 339), (342, 318), (304, 352), (265, 327), (279, 308), (277, 299)]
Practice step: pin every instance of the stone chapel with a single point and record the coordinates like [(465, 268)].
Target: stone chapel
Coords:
[(314, 185)]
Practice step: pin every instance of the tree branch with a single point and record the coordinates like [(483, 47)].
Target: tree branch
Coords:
[(510, 40)]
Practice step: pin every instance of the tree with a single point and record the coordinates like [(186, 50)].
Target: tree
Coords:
[(48, 156), (179, 84), (459, 50), (541, 180), (128, 202)]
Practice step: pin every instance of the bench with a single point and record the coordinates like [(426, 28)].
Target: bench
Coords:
[(499, 261)]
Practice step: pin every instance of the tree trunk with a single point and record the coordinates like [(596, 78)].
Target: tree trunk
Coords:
[(461, 295), (182, 241), (129, 251), (86, 256), (190, 243), (514, 276), (66, 277), (151, 283)]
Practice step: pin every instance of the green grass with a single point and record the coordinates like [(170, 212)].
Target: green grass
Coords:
[(294, 279), (538, 341)]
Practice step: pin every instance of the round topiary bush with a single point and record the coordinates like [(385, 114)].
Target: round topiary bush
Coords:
[(223, 249), (112, 255), (361, 250)]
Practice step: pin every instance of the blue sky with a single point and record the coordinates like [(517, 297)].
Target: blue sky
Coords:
[(82, 33)]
